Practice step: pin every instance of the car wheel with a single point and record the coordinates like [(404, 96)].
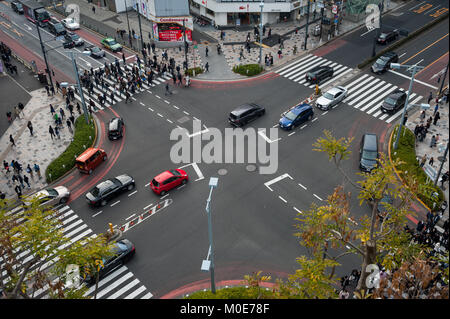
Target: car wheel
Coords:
[(90, 171), (130, 187), (310, 117), (184, 182), (162, 193), (103, 202), (104, 158), (292, 126), (262, 113), (63, 200)]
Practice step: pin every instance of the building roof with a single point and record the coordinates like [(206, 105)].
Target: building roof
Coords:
[(171, 8)]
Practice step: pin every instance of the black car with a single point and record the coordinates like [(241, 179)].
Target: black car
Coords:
[(245, 114), (319, 73), (122, 250), (115, 128), (71, 36), (17, 7), (56, 27), (383, 63), (96, 52), (68, 44), (395, 101), (106, 190), (387, 36)]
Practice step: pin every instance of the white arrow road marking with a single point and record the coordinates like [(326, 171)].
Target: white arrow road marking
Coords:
[(277, 179)]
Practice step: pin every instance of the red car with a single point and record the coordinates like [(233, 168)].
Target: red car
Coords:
[(167, 180)]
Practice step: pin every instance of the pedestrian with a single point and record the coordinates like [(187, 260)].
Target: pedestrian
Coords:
[(6, 166), (416, 130), (30, 171), (9, 116), (431, 161), (206, 51), (295, 50), (436, 107), (430, 97), (11, 139), (78, 108), (127, 97), (19, 177), (343, 294), (279, 53), (56, 118), (71, 109), (37, 169), (167, 89), (72, 119), (123, 59), (437, 116), (17, 112), (58, 87), (52, 89), (51, 131), (430, 119), (424, 160), (433, 141), (57, 132), (30, 127), (405, 118), (69, 125), (48, 90), (52, 110), (26, 180), (93, 9), (207, 67), (18, 191), (444, 179)]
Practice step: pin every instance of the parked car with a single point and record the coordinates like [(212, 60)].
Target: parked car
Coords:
[(70, 24), (111, 44), (56, 27), (245, 114), (167, 180), (17, 7), (383, 63), (75, 38), (96, 52), (49, 196), (387, 36), (123, 250), (115, 128), (299, 114), (331, 98), (368, 152), (106, 190), (318, 74), (394, 101)]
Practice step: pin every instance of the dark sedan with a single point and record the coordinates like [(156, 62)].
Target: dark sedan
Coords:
[(395, 101), (122, 251), (96, 52), (387, 36), (106, 190), (383, 63)]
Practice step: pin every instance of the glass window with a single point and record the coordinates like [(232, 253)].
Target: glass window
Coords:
[(290, 115), (369, 155)]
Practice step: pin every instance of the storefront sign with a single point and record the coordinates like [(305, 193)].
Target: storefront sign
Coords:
[(334, 9), (174, 35)]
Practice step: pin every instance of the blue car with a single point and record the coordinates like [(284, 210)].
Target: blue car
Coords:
[(301, 113)]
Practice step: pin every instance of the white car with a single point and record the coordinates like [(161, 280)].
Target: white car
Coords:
[(70, 24), (50, 196), (331, 98)]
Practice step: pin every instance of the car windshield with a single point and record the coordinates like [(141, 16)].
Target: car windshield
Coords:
[(111, 42), (175, 172), (390, 101), (310, 74), (52, 192), (290, 115), (18, 5), (328, 96), (369, 155), (383, 36), (95, 49), (116, 181), (155, 183), (95, 191), (70, 20), (382, 61), (75, 36)]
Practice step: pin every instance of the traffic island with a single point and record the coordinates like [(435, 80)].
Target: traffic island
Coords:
[(248, 69)]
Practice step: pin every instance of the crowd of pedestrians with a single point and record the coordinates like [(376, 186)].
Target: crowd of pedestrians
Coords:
[(5, 52), (15, 173)]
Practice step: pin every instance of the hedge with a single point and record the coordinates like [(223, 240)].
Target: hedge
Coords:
[(83, 138), (198, 70), (233, 293), (404, 40), (248, 69), (406, 152)]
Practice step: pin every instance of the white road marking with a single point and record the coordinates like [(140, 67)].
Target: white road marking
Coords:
[(147, 206), (277, 179), (415, 80), (181, 186), (326, 111), (197, 170), (197, 133), (176, 107), (298, 210), (150, 92), (151, 109), (317, 197), (160, 115), (302, 186), (157, 96), (115, 203), (133, 98), (282, 199), (314, 119), (264, 136), (142, 103), (401, 55), (147, 184), (130, 217), (276, 125), (167, 101), (303, 126), (169, 121), (165, 196), (291, 133), (97, 213), (185, 112), (132, 193), (196, 118)]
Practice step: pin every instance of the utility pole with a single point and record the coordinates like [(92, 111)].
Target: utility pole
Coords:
[(185, 45), (442, 165), (443, 80), (83, 103), (307, 24), (261, 5), (44, 54), (381, 7), (128, 21), (140, 27)]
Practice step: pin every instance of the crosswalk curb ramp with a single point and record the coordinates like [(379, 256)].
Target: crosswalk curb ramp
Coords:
[(119, 284)]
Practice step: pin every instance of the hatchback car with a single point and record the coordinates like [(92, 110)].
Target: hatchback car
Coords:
[(96, 52), (75, 38), (115, 128), (106, 190), (299, 114), (394, 101), (70, 24), (111, 44), (331, 98), (318, 74), (49, 196), (387, 36), (122, 251), (383, 63), (167, 180), (245, 114), (17, 7)]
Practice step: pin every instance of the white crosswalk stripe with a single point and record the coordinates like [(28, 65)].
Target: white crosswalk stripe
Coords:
[(119, 284), (367, 93)]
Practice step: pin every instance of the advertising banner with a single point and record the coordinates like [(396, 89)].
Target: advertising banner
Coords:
[(173, 34)]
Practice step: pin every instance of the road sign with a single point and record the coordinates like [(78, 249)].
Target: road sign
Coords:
[(334, 9)]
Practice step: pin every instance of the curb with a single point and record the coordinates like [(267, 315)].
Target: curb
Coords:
[(397, 173)]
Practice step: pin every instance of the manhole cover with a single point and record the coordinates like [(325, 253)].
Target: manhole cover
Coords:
[(250, 168), (222, 171)]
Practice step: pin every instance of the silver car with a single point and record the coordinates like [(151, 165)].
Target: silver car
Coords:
[(50, 196), (331, 98)]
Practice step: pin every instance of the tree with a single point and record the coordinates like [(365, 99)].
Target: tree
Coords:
[(35, 254)]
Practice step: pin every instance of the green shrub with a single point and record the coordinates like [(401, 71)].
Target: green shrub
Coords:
[(198, 70), (248, 69), (406, 152), (67, 158), (233, 293)]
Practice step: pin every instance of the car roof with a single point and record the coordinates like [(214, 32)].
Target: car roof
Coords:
[(301, 107), (320, 67), (389, 54), (105, 184), (114, 123), (397, 93), (108, 39), (163, 176), (334, 90), (243, 108), (87, 153)]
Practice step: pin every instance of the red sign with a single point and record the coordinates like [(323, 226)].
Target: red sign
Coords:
[(241, 8), (174, 35)]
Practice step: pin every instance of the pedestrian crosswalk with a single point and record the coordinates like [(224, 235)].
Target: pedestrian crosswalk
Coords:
[(367, 94), (110, 89), (297, 70), (119, 284)]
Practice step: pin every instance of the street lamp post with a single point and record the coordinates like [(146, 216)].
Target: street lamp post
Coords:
[(307, 24), (44, 53), (185, 45), (83, 103), (140, 27), (414, 71), (208, 265), (381, 7), (261, 5), (441, 166), (128, 21)]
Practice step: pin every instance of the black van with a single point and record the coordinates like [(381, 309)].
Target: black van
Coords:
[(56, 27), (368, 152), (245, 113)]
